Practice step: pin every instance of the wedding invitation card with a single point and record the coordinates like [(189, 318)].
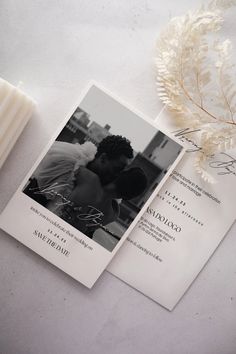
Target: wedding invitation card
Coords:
[(90, 186), (181, 228)]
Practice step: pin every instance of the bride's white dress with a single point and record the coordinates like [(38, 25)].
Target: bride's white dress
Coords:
[(55, 173)]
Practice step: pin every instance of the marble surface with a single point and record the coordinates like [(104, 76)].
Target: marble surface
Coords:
[(55, 47)]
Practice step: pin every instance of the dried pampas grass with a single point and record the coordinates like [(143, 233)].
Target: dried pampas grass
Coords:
[(195, 80)]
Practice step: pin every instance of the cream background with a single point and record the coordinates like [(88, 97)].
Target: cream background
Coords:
[(55, 48)]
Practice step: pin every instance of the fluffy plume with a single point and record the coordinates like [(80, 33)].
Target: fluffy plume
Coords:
[(194, 79)]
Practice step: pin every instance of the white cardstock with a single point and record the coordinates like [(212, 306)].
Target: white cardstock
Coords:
[(181, 228), (67, 208)]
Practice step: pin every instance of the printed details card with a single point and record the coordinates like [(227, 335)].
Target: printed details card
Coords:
[(181, 228), (91, 185)]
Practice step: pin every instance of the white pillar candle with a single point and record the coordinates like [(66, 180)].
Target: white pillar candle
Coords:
[(16, 109)]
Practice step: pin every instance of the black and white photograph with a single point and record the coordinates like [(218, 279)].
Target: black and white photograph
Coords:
[(102, 168)]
